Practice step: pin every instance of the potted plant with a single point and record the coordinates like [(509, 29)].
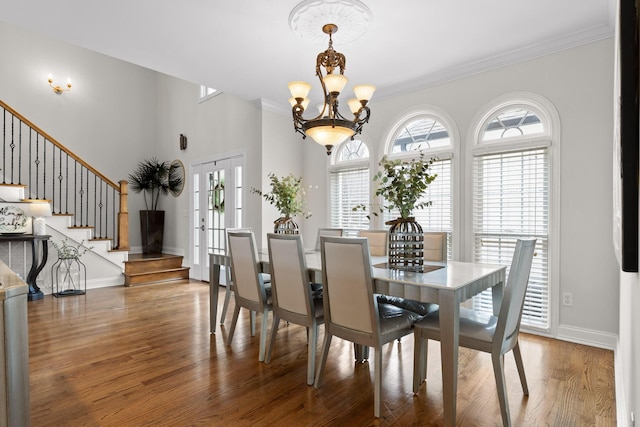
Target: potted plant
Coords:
[(288, 196), (155, 179), (401, 183)]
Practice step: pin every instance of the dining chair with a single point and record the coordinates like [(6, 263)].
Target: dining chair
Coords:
[(378, 241), (435, 250), (435, 246), (293, 297), (351, 310), (486, 333), (327, 232), (249, 288), (229, 280)]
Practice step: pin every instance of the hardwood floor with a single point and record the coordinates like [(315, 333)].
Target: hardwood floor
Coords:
[(143, 356)]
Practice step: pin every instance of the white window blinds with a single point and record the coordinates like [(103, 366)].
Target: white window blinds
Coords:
[(511, 201), (349, 188)]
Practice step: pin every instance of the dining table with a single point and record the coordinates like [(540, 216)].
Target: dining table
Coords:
[(447, 284)]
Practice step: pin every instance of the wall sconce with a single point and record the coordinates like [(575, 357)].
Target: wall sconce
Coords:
[(56, 88), (39, 210)]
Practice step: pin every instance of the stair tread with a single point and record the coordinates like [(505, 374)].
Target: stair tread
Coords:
[(165, 270)]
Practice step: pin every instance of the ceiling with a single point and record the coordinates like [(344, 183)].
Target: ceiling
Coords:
[(246, 47)]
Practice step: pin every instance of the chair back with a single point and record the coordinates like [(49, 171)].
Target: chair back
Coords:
[(248, 284), (291, 292), (327, 232), (378, 241), (347, 286), (227, 270), (435, 246), (513, 299)]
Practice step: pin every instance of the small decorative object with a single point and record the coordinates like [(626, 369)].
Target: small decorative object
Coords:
[(15, 218), (183, 142), (402, 183), (155, 179), (68, 272), (288, 196), (39, 210)]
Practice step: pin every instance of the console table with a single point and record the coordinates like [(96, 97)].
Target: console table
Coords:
[(37, 264)]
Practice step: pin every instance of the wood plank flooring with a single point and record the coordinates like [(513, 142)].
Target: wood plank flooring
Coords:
[(143, 356)]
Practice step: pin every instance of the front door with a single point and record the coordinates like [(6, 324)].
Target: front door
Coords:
[(216, 204)]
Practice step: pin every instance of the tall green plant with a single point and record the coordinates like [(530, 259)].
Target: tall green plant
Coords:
[(287, 195), (155, 179), (401, 183)]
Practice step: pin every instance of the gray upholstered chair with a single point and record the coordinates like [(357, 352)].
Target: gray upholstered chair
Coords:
[(327, 232), (250, 291), (435, 246), (378, 241), (351, 309), (229, 280), (293, 297), (490, 334)]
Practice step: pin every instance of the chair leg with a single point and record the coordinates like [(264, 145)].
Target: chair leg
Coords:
[(263, 334), (419, 360), (252, 317), (498, 371), (323, 357), (274, 331), (225, 306), (312, 341), (234, 320), (377, 381), (523, 379)]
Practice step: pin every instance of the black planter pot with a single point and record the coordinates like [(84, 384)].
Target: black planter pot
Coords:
[(151, 231)]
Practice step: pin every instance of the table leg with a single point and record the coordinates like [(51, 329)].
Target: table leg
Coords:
[(214, 283), (496, 294), (36, 266), (449, 328)]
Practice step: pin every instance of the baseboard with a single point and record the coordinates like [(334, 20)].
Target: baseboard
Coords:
[(588, 337)]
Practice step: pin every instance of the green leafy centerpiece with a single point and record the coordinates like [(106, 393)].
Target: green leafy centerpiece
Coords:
[(288, 196), (402, 183)]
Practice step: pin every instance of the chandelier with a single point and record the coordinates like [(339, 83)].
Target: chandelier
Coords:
[(330, 127)]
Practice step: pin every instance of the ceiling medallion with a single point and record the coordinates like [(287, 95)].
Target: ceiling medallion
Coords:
[(351, 16)]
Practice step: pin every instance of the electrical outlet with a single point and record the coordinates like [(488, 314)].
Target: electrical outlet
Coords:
[(567, 299)]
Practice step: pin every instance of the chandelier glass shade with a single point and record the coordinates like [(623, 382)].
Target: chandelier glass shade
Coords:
[(330, 127)]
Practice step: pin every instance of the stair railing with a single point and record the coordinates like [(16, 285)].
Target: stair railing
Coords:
[(50, 171)]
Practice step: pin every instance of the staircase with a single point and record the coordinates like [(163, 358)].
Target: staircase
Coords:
[(87, 207), (146, 268)]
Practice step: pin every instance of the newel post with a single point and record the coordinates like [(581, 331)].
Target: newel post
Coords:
[(123, 218)]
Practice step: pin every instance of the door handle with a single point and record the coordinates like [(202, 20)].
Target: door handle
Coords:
[(202, 227)]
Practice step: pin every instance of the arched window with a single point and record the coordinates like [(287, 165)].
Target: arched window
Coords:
[(431, 132), (511, 193), (349, 177)]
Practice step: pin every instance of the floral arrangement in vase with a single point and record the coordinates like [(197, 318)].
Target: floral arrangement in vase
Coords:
[(288, 196), (67, 251), (401, 183)]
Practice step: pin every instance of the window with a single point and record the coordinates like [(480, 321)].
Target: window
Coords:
[(511, 199), (206, 93), (349, 186), (426, 132)]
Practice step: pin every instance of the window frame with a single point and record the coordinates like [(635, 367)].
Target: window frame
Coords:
[(347, 165), (550, 140)]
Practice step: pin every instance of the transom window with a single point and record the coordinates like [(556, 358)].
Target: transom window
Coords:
[(352, 150), (513, 123), (420, 133)]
